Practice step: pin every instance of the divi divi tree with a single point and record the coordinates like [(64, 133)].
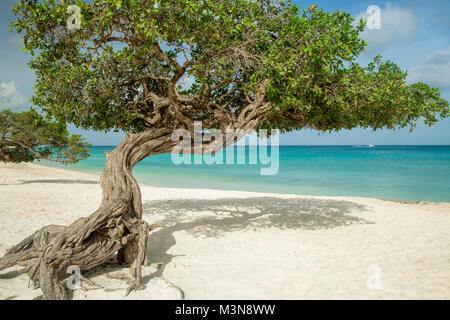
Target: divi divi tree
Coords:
[(28, 136), (151, 67)]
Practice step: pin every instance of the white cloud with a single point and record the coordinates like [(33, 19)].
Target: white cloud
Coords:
[(434, 71), (10, 97), (396, 24)]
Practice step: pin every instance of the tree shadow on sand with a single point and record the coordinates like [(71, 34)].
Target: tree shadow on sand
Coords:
[(50, 181), (62, 181), (215, 218)]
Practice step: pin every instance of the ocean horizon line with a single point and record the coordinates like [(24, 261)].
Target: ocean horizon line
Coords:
[(335, 145)]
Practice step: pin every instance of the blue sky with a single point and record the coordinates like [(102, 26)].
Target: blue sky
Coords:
[(415, 34)]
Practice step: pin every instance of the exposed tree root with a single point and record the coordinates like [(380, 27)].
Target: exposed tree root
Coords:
[(87, 243)]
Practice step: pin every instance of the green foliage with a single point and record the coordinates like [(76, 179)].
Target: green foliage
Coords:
[(98, 76), (27, 136)]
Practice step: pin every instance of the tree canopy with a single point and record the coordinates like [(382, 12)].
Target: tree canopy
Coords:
[(28, 136), (244, 64)]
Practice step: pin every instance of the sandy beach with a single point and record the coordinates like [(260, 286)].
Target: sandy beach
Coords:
[(242, 245)]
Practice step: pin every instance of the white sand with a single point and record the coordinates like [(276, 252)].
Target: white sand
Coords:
[(243, 245)]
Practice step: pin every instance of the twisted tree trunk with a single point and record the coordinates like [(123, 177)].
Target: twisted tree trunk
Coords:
[(116, 227)]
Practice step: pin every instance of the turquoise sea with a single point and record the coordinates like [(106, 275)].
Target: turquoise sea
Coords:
[(389, 172)]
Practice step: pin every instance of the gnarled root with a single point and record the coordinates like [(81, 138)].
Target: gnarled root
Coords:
[(86, 243)]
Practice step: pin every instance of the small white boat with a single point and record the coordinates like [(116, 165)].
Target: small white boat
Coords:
[(371, 146)]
